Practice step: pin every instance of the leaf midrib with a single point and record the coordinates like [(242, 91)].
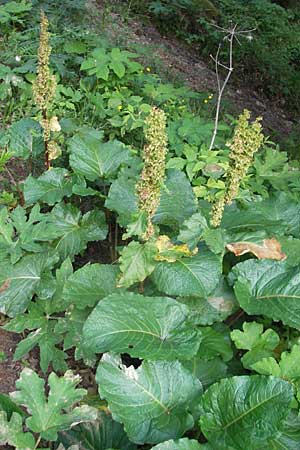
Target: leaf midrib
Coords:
[(249, 411)]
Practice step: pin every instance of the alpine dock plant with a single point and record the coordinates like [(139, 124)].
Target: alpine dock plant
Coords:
[(153, 173), (246, 141), (44, 88)]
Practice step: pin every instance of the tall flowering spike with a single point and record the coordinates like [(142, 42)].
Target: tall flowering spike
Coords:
[(45, 84), (152, 177), (247, 139)]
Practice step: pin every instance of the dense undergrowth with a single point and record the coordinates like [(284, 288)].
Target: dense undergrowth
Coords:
[(268, 55), (190, 316)]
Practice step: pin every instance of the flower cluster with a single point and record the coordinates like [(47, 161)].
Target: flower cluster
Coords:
[(44, 88), (45, 84), (154, 153), (246, 141)]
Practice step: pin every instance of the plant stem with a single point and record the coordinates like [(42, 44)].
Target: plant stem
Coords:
[(37, 442)]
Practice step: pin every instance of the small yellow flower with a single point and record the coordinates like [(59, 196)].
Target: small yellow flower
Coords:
[(210, 96), (148, 69), (120, 107), (206, 101)]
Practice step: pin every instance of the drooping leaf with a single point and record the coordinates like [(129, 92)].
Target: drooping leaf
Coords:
[(8, 406), (167, 251), (47, 417), (95, 159), (244, 409), (270, 288), (20, 282), (101, 434), (51, 187), (11, 432), (195, 276), (144, 327), (153, 402), (137, 262), (89, 284), (260, 344)]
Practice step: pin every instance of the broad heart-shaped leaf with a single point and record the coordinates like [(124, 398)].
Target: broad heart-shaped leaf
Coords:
[(177, 201), (51, 187), (244, 409), (180, 444), (89, 284), (259, 344), (270, 288), (49, 417), (215, 342), (154, 402), (101, 434), (20, 282), (26, 138), (95, 159), (11, 432), (76, 230), (195, 276), (144, 327), (136, 262)]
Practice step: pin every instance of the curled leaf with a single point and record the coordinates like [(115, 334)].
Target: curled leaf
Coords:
[(268, 249)]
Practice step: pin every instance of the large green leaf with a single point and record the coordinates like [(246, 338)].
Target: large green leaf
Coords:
[(20, 282), (47, 417), (244, 409), (102, 434), (180, 444), (51, 187), (95, 159), (195, 276), (76, 230), (270, 288), (145, 327), (89, 284), (177, 201), (153, 402)]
